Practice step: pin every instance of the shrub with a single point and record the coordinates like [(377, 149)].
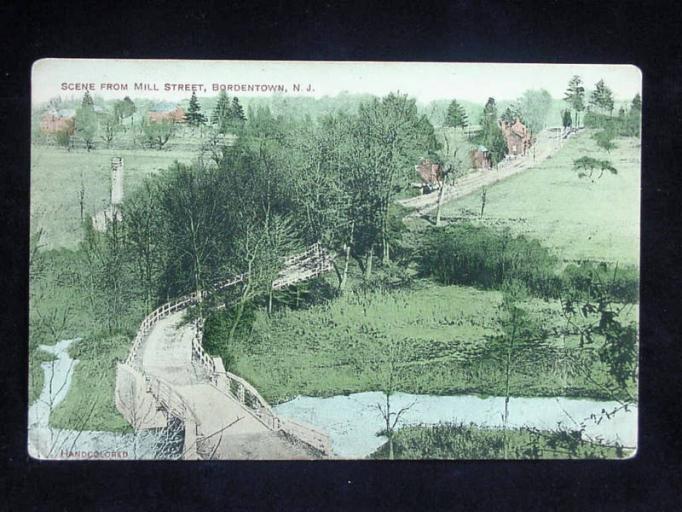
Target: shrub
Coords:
[(480, 256), (587, 277)]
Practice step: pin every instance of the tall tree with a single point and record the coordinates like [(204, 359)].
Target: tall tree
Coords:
[(534, 106), (221, 113), (491, 134), (86, 123), (575, 97), (456, 116), (388, 139), (194, 115), (602, 98)]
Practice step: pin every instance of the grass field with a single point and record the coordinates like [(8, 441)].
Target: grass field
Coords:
[(312, 351), (56, 183), (578, 218)]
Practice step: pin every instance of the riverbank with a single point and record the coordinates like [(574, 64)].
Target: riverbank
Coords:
[(354, 422), (470, 442)]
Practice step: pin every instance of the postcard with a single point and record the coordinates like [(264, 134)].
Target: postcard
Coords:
[(333, 260)]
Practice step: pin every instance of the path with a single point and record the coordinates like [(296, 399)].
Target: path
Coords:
[(547, 143)]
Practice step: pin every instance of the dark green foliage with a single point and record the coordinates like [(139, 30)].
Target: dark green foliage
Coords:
[(602, 98), (86, 123), (626, 125), (470, 442), (480, 256), (217, 329), (587, 278), (586, 167), (456, 116), (491, 135), (566, 120), (194, 115), (123, 109), (575, 97)]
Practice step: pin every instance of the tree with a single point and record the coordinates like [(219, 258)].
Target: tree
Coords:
[(86, 123), (456, 116), (158, 134), (566, 120), (586, 166), (123, 109), (237, 117), (602, 98), (194, 115), (64, 138), (384, 359), (575, 97), (142, 217), (633, 119), (109, 129), (511, 114), (388, 138), (491, 134), (534, 106), (519, 334), (87, 100), (221, 113)]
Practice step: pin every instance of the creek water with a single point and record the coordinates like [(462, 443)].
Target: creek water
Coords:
[(46, 442), (353, 421)]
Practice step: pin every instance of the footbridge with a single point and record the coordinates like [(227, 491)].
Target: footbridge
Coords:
[(168, 377)]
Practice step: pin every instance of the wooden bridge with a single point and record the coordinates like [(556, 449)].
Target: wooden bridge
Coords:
[(168, 375)]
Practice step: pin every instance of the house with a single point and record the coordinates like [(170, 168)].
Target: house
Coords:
[(58, 120), (430, 173), (517, 136), (166, 112), (480, 158)]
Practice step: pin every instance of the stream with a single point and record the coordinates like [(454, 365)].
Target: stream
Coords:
[(352, 421), (45, 442)]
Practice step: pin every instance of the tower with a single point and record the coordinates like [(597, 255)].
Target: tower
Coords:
[(116, 181)]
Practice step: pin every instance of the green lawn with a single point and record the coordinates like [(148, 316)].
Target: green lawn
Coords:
[(56, 184), (314, 351), (578, 218)]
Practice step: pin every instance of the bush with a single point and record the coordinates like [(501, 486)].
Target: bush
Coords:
[(587, 278), (217, 330), (480, 256), (459, 441)]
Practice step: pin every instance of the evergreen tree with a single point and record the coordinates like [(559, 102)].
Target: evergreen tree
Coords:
[(575, 96), (194, 116), (636, 103), (86, 122), (87, 101), (602, 97), (491, 135), (566, 120), (237, 112), (221, 112), (456, 116), (511, 114)]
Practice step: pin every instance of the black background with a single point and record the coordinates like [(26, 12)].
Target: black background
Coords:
[(644, 34)]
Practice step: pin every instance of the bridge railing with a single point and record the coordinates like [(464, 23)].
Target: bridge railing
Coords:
[(308, 434), (199, 353), (154, 317)]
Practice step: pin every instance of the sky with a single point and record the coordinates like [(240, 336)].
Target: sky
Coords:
[(425, 81)]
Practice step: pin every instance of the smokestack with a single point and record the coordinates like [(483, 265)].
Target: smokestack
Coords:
[(116, 181)]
